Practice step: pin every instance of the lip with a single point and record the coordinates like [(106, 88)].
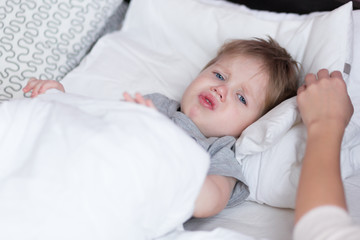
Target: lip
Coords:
[(208, 101)]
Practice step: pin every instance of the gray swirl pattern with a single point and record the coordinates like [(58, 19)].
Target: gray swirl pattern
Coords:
[(48, 38)]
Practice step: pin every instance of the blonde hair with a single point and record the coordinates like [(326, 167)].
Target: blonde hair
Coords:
[(277, 62)]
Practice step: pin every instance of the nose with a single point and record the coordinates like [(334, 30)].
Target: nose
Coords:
[(221, 91)]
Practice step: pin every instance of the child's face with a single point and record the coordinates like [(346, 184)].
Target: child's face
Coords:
[(227, 96)]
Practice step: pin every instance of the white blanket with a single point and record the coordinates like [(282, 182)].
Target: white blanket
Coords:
[(80, 168)]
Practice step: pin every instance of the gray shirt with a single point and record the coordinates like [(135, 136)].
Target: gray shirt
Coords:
[(221, 149)]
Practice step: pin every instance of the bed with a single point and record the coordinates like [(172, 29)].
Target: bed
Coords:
[(84, 165)]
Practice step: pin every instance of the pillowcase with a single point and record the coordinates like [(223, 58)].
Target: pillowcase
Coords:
[(272, 173), (198, 37), (165, 48), (268, 130), (47, 40)]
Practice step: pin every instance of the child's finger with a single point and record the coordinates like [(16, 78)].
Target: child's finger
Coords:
[(140, 99), (47, 84), (60, 86), (35, 89), (30, 84), (127, 97), (149, 103)]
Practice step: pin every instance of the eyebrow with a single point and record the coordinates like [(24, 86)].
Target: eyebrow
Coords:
[(246, 91), (223, 69)]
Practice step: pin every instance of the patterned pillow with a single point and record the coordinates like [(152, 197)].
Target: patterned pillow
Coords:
[(48, 38)]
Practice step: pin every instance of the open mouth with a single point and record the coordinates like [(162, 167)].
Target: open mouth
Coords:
[(207, 101)]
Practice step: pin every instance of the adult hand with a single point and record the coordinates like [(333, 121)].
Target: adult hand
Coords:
[(324, 99)]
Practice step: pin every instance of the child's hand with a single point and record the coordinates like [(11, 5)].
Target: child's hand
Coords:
[(139, 99), (41, 86)]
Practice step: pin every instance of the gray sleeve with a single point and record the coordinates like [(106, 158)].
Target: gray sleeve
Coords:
[(163, 104), (224, 163)]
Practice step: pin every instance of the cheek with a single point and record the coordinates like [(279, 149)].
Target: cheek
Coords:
[(240, 120), (237, 128), (193, 113), (189, 98), (190, 107)]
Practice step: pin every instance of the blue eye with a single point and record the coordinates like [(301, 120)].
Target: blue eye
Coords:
[(219, 76), (242, 99)]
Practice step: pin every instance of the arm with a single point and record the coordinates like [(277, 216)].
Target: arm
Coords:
[(214, 195), (41, 86), (326, 110)]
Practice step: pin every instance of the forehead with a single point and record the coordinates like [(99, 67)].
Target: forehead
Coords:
[(239, 60)]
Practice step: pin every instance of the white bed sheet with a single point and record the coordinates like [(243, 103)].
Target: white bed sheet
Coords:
[(262, 221), (250, 218)]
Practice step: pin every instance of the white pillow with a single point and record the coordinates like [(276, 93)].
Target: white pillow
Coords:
[(48, 39), (196, 28), (272, 173), (268, 130), (165, 48)]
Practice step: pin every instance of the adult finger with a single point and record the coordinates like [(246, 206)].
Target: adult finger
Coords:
[(301, 89), (309, 79), (336, 74), (323, 73)]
